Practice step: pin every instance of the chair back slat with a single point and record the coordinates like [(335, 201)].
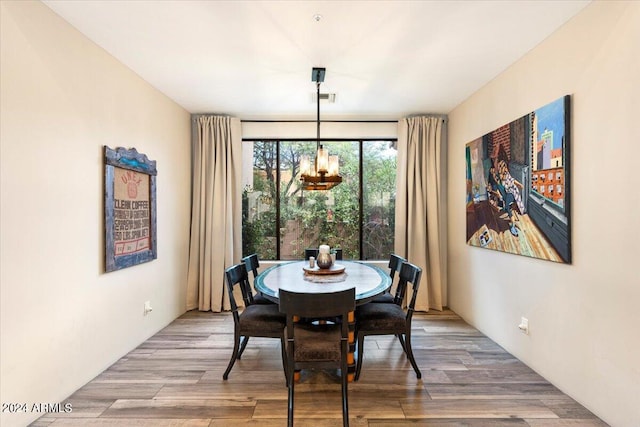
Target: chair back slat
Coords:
[(252, 263), (317, 305), (336, 305), (313, 252), (237, 276), (395, 263), (310, 252), (410, 273)]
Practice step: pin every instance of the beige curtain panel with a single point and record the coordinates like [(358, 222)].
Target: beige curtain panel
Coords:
[(216, 212), (420, 209)]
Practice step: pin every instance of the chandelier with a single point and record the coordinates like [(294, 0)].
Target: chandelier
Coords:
[(324, 174)]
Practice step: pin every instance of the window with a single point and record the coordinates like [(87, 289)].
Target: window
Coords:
[(357, 215), (378, 199)]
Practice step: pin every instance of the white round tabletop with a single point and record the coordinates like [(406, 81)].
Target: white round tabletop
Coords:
[(369, 280)]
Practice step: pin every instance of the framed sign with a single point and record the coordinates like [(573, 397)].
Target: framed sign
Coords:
[(518, 192), (129, 208)]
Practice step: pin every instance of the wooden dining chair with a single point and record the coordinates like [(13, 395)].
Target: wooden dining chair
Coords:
[(395, 263), (252, 264), (256, 320), (313, 252), (311, 345), (390, 318)]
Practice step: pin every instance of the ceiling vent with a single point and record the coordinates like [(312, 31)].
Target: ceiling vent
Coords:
[(329, 97)]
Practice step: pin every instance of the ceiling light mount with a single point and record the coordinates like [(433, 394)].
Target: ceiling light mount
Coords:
[(317, 75), (325, 97)]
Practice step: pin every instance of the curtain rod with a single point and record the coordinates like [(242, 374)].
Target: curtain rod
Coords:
[(321, 121), (444, 119), (314, 139), (442, 116)]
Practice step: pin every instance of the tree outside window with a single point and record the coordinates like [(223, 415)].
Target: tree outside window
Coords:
[(281, 224)]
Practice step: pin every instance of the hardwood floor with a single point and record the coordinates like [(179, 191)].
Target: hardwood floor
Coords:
[(175, 379)]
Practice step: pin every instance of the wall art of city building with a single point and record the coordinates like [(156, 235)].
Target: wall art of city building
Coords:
[(518, 186)]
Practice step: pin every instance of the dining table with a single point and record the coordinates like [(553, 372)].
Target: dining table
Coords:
[(368, 280)]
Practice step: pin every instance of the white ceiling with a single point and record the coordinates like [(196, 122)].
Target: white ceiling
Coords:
[(253, 59)]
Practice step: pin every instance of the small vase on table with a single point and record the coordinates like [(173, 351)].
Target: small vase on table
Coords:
[(324, 257)]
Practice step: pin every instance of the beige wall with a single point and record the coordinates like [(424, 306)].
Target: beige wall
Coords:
[(62, 98), (584, 318)]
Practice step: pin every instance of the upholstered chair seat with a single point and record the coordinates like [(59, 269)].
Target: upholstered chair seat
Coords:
[(381, 317), (258, 319), (385, 298), (259, 299), (318, 342)]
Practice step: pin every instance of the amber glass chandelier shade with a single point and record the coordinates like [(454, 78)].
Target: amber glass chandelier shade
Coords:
[(334, 165), (322, 160)]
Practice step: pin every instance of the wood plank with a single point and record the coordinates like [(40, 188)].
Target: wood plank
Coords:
[(273, 377), (131, 422), (180, 409), (567, 423), (404, 376), (299, 422), (492, 391), (173, 364), (105, 391), (449, 423), (227, 391), (475, 408), (143, 376), (495, 376), (328, 405), (566, 407)]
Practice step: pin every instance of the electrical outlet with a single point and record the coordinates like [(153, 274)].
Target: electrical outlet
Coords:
[(524, 325), (147, 307)]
